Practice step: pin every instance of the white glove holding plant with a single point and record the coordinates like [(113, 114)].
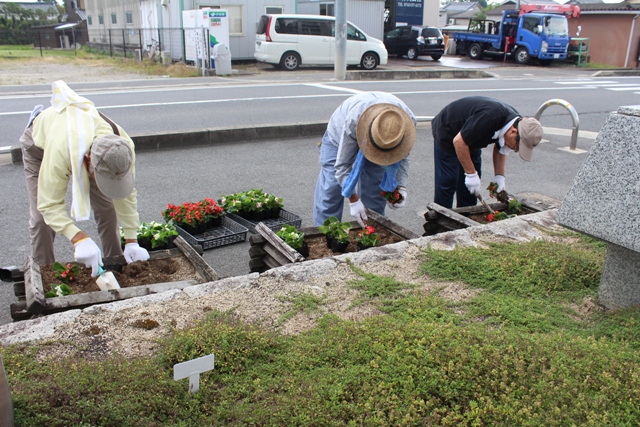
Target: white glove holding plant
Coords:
[(472, 181), (88, 253), (357, 211), (401, 204), (499, 179), (133, 253)]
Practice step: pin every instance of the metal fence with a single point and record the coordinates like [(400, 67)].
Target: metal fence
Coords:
[(152, 44)]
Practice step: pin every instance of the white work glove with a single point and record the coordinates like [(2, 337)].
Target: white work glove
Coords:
[(88, 253), (133, 252), (357, 211), (499, 179), (399, 205), (472, 181)]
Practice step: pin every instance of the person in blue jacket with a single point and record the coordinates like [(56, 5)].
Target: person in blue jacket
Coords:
[(460, 132), (364, 151)]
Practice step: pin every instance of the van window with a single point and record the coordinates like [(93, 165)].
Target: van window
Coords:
[(309, 27), (262, 25), (286, 26), (353, 34), (314, 28)]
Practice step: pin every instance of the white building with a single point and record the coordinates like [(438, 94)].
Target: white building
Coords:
[(114, 23)]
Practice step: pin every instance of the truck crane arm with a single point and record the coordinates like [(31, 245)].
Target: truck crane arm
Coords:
[(570, 10)]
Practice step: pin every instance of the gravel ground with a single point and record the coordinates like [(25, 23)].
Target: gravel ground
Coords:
[(47, 70)]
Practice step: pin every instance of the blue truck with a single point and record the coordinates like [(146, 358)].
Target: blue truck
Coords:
[(533, 31)]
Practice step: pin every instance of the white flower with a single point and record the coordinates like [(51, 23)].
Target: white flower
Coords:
[(59, 291)]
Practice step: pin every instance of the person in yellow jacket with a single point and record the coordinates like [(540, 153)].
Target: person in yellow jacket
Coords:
[(72, 141)]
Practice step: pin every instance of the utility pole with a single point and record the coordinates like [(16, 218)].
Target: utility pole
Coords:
[(340, 67)]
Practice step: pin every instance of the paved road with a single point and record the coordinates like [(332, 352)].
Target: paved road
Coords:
[(287, 168)]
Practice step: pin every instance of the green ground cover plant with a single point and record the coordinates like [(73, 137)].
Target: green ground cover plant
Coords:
[(514, 355)]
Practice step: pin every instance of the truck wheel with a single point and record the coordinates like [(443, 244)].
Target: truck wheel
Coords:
[(475, 51), (436, 57), (412, 53), (290, 61), (369, 61), (522, 56)]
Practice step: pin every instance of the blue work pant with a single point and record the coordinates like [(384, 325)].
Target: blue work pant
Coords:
[(328, 200), (449, 177)]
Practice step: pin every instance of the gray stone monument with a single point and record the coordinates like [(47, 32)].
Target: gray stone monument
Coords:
[(604, 202)]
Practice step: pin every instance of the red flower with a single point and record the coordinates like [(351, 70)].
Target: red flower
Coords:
[(490, 217)]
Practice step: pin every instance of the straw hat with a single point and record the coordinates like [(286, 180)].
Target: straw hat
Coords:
[(385, 133)]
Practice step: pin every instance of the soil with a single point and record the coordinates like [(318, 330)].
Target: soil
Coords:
[(135, 274), (318, 244), (482, 218)]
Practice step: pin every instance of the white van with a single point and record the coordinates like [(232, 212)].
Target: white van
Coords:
[(289, 41)]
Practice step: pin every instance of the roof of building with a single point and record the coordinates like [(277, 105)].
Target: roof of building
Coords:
[(622, 7)]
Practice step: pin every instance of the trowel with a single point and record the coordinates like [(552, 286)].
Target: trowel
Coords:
[(485, 204), (106, 280)]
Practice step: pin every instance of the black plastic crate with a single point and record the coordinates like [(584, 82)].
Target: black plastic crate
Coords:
[(229, 232), (275, 224)]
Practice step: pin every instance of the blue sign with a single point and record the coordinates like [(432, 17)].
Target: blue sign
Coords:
[(409, 11)]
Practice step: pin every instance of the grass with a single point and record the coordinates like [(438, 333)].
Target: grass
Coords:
[(84, 56), (517, 354), (302, 302)]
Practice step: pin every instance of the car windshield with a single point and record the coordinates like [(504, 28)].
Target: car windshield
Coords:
[(556, 26)]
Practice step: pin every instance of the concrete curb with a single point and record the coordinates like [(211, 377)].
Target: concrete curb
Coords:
[(165, 141), (417, 74), (520, 229), (606, 73)]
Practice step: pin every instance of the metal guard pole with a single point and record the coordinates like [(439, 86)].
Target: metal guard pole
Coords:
[(572, 111)]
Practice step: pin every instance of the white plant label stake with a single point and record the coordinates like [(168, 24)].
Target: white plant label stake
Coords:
[(193, 369)]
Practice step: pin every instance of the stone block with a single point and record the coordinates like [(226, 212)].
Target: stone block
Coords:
[(604, 200), (619, 285)]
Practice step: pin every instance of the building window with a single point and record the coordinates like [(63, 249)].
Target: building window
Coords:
[(114, 18), (274, 10), (47, 36), (129, 17), (89, 22), (100, 20), (235, 19), (326, 9)]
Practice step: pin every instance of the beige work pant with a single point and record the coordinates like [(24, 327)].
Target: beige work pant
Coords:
[(41, 234)]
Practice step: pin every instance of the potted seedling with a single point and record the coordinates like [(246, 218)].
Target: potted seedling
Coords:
[(367, 238), (294, 238), (337, 234)]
